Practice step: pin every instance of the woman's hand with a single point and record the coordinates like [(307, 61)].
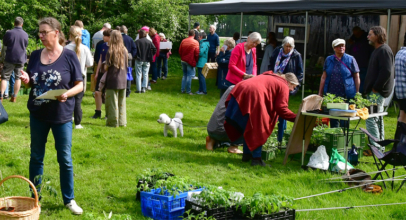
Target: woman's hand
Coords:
[(24, 77), (221, 49), (62, 98), (247, 76)]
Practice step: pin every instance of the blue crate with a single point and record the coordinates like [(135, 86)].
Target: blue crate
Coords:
[(163, 207)]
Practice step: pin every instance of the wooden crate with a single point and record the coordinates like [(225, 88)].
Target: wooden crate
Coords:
[(210, 70)]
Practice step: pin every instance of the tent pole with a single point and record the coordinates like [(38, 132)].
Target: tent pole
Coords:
[(388, 27), (241, 27), (325, 35), (188, 26), (304, 55)]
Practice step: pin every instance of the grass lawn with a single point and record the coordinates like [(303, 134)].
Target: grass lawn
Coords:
[(107, 160)]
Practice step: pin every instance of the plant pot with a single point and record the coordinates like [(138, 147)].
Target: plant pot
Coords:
[(281, 215), (268, 155), (324, 110), (343, 106), (10, 209), (375, 108), (220, 213)]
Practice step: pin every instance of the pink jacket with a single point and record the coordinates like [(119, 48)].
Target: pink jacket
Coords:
[(236, 66)]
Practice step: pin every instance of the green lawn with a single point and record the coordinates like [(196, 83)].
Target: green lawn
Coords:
[(107, 160)]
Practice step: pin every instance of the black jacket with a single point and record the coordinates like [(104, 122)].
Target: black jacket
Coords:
[(145, 50)]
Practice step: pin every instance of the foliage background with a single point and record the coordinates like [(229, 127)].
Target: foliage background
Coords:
[(167, 16)]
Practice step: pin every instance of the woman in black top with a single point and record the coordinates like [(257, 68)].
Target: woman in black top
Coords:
[(53, 68)]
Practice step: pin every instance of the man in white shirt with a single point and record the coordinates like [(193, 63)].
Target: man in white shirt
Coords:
[(98, 36)]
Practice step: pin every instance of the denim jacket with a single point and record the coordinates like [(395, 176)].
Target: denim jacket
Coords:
[(347, 71)]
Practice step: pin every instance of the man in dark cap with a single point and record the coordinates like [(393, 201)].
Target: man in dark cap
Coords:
[(196, 28)]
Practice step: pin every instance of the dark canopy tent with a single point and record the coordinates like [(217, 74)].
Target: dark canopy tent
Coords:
[(292, 7), (301, 7)]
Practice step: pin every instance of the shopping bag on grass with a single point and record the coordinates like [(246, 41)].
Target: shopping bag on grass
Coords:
[(319, 159), (337, 162), (3, 114)]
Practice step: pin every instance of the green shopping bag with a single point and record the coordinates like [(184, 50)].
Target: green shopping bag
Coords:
[(337, 162)]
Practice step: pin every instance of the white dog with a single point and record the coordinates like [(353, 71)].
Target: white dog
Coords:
[(172, 123)]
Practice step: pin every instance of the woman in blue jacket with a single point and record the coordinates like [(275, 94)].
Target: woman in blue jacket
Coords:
[(222, 60), (203, 54), (340, 75)]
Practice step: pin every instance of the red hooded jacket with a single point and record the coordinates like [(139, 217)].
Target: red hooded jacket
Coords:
[(189, 51)]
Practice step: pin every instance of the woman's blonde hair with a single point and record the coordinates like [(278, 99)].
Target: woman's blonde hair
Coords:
[(290, 77), (75, 34), (230, 42), (117, 50)]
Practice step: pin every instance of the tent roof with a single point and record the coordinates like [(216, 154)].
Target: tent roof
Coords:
[(294, 7)]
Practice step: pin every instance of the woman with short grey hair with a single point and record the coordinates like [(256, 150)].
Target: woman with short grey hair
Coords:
[(286, 59)]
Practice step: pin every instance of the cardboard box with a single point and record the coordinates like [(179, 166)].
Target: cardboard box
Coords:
[(210, 70), (92, 83)]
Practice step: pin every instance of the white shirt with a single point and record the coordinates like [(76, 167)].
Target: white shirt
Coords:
[(86, 59), (98, 36), (148, 37)]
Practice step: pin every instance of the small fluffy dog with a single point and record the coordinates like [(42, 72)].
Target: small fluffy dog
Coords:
[(172, 123)]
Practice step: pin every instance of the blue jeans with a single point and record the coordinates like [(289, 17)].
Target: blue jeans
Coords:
[(188, 74), (162, 58), (255, 154), (10, 85), (281, 128), (375, 126), (202, 81), (63, 143), (154, 71), (141, 71)]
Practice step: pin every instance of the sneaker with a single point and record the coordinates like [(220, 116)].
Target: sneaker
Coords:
[(195, 77), (246, 157), (137, 91), (74, 208), (259, 163), (191, 93), (152, 81), (79, 126), (149, 88), (198, 93), (97, 114), (13, 99), (143, 90), (5, 97), (182, 91), (164, 77), (201, 93)]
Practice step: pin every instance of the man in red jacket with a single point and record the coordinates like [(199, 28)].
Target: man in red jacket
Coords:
[(189, 54)]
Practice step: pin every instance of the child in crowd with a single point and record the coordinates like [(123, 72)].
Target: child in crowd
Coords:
[(222, 60)]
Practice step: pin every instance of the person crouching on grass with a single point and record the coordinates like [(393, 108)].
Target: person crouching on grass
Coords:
[(253, 107)]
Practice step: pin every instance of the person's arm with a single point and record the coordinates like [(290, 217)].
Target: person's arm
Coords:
[(89, 58), (385, 65), (218, 46), (153, 49), (197, 50), (357, 81), (281, 105), (71, 92), (232, 65), (133, 49), (98, 67), (322, 83)]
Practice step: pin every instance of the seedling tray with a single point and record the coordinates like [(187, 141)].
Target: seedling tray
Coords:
[(217, 213), (138, 197)]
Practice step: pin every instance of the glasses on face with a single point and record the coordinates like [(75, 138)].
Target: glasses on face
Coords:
[(340, 46), (44, 33)]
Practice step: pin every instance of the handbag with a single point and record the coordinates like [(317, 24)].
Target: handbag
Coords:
[(3, 114), (129, 74)]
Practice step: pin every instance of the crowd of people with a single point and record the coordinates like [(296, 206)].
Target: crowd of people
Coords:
[(252, 98)]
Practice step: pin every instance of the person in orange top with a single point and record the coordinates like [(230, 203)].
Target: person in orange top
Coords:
[(189, 54)]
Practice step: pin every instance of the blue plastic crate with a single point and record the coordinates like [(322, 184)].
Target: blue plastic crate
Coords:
[(163, 207)]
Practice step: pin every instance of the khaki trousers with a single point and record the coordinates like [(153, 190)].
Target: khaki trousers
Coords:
[(116, 108)]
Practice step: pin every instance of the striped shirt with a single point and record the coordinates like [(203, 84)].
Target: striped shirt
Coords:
[(400, 73)]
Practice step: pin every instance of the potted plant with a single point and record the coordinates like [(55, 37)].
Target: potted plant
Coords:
[(328, 98), (373, 106), (317, 137), (271, 147), (334, 102), (261, 206), (148, 179)]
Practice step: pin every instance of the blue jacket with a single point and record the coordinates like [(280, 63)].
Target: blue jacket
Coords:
[(203, 53), (86, 38), (222, 60), (16, 41), (295, 65), (346, 74), (130, 45)]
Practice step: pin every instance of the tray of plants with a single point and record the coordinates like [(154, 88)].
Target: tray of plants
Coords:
[(263, 207), (168, 199), (212, 203), (17, 207)]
